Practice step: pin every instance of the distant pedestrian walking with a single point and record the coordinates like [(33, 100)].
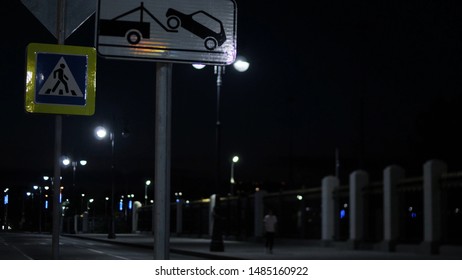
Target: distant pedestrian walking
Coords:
[(270, 222)]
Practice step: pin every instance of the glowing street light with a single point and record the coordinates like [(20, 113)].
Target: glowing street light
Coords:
[(232, 181), (148, 182), (241, 64)]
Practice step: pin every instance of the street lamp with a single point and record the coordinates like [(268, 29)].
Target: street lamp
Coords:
[(88, 204), (241, 65), (66, 162), (40, 205), (148, 182), (101, 133), (231, 180)]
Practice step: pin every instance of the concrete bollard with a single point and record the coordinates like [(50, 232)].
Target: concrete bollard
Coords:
[(391, 177), (358, 180), (329, 184)]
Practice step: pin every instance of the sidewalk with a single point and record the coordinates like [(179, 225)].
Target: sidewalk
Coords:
[(283, 250)]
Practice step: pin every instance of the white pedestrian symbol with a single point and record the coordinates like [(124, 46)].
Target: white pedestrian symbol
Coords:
[(61, 82)]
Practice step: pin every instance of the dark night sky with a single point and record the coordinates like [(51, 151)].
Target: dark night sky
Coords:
[(379, 81)]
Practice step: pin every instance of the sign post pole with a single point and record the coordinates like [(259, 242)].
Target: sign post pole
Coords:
[(161, 210), (58, 143), (52, 14)]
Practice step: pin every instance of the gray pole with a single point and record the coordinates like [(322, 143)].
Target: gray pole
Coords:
[(58, 142), (161, 209), (216, 243), (111, 234)]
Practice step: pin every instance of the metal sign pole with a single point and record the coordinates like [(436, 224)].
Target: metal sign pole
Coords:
[(161, 209), (58, 143)]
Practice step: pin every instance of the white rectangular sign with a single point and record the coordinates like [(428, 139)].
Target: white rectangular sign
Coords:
[(185, 31)]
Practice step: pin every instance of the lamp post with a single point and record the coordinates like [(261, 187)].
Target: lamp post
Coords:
[(241, 65), (82, 196), (66, 162), (39, 188), (102, 133), (148, 182), (89, 201), (231, 180)]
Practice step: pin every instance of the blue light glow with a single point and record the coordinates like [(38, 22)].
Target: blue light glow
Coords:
[(342, 213)]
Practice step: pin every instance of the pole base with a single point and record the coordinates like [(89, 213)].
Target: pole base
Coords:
[(111, 236)]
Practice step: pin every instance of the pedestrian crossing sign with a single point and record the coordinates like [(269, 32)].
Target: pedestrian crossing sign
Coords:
[(60, 79)]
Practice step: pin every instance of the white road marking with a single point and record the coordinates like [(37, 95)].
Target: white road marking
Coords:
[(101, 252)]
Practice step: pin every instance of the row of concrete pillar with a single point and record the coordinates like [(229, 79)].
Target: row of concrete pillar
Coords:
[(392, 175), (358, 180)]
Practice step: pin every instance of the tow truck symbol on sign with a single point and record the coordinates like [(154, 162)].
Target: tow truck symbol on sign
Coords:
[(134, 31), (212, 37)]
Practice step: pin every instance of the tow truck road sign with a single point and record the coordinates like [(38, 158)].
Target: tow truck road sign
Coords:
[(60, 79), (184, 31)]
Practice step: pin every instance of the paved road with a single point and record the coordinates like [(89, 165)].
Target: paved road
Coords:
[(21, 246), (284, 249), (28, 246)]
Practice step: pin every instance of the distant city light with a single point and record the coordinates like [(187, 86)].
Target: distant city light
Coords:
[(342, 213)]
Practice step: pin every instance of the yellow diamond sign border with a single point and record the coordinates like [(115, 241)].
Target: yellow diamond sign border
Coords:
[(31, 106)]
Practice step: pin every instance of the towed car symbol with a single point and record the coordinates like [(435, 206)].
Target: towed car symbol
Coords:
[(201, 24)]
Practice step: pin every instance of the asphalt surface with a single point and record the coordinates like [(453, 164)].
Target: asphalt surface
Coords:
[(283, 250)]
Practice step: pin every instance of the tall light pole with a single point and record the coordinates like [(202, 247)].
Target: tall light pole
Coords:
[(102, 133), (68, 161), (147, 183), (219, 70), (231, 180), (39, 188), (241, 65)]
